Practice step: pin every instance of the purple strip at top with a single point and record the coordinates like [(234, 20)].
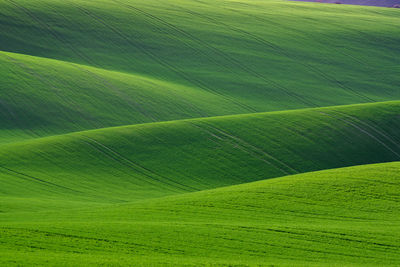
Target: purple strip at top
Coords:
[(381, 3)]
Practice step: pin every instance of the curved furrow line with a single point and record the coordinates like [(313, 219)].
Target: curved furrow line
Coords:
[(368, 133), (133, 166), (36, 179), (131, 244), (285, 53), (143, 170), (53, 33), (188, 46), (189, 154), (14, 116), (304, 234), (235, 144), (252, 148), (308, 34), (286, 246), (305, 138), (196, 82), (248, 69), (57, 91), (174, 28), (382, 41), (135, 105), (118, 161), (370, 126), (226, 56), (107, 84)]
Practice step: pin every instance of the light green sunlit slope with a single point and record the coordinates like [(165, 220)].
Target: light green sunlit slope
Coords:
[(41, 97), (184, 59), (157, 159), (340, 217)]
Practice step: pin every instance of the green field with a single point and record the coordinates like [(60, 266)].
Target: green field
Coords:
[(338, 217), (123, 62), (199, 133)]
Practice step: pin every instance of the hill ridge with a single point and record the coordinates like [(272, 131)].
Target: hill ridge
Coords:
[(228, 59), (163, 158)]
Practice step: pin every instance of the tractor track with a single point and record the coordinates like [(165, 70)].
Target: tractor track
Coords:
[(284, 53), (224, 55), (140, 169), (53, 33)]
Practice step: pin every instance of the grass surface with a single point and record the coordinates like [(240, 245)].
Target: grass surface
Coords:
[(338, 217), (156, 159), (165, 60), (53, 97), (198, 132)]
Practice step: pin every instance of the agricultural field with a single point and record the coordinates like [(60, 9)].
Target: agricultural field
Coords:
[(199, 133)]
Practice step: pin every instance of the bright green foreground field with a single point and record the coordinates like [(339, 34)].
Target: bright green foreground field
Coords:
[(338, 217), (94, 197)]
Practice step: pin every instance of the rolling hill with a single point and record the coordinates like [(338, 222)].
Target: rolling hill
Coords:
[(53, 97), (199, 133), (169, 60), (337, 217), (157, 159)]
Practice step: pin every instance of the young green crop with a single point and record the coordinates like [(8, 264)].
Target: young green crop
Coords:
[(165, 60), (338, 217), (138, 132), (157, 159)]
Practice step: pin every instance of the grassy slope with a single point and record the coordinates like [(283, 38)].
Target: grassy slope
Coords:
[(337, 217), (157, 159), (185, 59), (75, 65), (53, 97)]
